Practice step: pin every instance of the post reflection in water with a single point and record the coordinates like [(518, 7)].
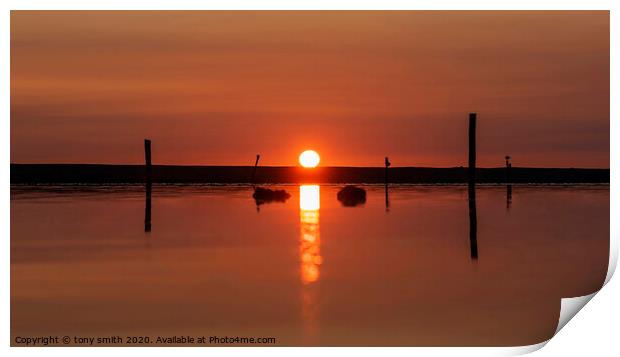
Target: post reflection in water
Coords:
[(508, 196), (473, 223), (147, 207), (310, 256)]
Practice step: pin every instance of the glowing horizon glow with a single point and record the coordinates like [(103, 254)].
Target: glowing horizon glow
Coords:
[(309, 158)]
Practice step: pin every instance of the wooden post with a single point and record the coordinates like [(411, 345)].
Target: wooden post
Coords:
[(387, 197), (473, 217), (255, 166), (472, 149), (387, 164), (508, 183), (508, 169), (147, 158)]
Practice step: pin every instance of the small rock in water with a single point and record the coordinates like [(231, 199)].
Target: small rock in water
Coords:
[(265, 195), (351, 196)]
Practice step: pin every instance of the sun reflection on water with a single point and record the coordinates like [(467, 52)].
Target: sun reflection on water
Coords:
[(309, 204)]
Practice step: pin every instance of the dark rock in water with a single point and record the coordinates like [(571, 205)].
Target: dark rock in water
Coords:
[(265, 195), (351, 196)]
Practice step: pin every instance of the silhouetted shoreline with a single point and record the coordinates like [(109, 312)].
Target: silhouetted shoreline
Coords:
[(100, 173)]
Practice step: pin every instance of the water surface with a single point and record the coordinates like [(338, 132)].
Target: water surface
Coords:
[(90, 261)]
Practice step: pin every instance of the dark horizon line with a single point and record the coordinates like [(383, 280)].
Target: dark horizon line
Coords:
[(59, 173)]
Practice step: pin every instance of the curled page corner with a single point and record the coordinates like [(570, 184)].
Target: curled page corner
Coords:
[(569, 307)]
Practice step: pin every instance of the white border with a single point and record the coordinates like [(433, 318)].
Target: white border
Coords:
[(604, 324)]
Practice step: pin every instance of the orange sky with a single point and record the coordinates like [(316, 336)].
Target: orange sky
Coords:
[(215, 88)]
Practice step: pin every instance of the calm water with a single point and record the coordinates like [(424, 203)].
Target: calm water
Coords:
[(308, 271)]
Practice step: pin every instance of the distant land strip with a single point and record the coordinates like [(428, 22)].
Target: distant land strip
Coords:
[(118, 174)]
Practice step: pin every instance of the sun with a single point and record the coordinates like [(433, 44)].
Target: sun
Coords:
[(309, 158)]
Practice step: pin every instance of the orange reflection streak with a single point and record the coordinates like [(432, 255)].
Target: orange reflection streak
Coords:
[(310, 253)]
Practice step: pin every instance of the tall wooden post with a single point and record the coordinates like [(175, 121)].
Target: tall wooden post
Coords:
[(473, 217), (148, 184), (147, 157), (472, 149)]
